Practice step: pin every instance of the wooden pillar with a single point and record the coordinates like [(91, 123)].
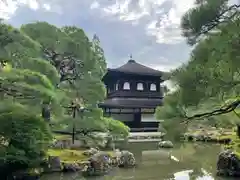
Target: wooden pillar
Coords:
[(137, 120), (238, 130)]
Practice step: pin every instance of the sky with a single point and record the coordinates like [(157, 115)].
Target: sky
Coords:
[(147, 29)]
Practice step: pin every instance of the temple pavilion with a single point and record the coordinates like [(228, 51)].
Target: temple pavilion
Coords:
[(133, 93)]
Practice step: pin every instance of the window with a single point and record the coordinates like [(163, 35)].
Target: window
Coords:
[(153, 87), (126, 86), (140, 86)]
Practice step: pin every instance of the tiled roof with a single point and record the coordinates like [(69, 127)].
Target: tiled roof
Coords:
[(133, 67)]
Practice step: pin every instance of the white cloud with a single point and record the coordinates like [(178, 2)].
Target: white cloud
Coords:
[(8, 7), (47, 7), (162, 24), (147, 28), (167, 29), (94, 5)]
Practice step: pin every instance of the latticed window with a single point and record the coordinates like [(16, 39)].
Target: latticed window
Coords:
[(153, 87), (126, 86), (140, 86)]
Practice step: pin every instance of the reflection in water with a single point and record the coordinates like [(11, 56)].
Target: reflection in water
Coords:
[(184, 162), (182, 175)]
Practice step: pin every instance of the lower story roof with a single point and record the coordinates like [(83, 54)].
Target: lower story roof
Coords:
[(131, 103)]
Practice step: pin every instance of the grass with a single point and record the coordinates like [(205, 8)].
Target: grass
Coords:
[(235, 143), (71, 156), (68, 155)]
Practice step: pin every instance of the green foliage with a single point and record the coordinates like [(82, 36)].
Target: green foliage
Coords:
[(212, 74), (116, 128), (31, 60), (101, 65), (42, 66), (172, 107), (173, 113), (213, 69), (204, 17), (24, 137)]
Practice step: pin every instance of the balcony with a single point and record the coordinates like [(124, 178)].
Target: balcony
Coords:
[(135, 94)]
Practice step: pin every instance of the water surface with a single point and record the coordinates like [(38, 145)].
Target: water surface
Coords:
[(184, 162)]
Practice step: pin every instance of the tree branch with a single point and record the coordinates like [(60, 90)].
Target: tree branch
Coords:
[(220, 18), (223, 110), (211, 25)]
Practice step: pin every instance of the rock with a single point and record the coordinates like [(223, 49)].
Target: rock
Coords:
[(228, 164), (84, 165), (165, 144), (127, 159), (100, 164), (200, 137), (54, 164), (116, 157), (70, 167), (90, 152)]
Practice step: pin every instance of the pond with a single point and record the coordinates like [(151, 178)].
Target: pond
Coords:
[(184, 162)]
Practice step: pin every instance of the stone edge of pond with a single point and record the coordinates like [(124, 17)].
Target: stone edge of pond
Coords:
[(54, 164)]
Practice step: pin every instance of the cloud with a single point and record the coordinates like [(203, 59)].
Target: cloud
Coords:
[(148, 29), (163, 16)]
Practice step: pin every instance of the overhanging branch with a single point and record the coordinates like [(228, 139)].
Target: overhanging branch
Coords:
[(222, 110), (226, 15)]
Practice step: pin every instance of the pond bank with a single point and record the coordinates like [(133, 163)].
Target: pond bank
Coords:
[(223, 136), (228, 162), (154, 163)]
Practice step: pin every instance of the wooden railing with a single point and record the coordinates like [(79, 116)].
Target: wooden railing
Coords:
[(138, 94)]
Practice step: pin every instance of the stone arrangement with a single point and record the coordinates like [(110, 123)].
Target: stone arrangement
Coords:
[(228, 164), (209, 135), (165, 144), (90, 162)]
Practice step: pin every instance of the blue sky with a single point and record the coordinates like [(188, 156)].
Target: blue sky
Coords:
[(147, 29)]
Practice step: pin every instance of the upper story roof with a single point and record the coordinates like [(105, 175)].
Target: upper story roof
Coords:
[(132, 67)]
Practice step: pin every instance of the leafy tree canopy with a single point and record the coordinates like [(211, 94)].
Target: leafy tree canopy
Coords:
[(212, 74), (43, 63)]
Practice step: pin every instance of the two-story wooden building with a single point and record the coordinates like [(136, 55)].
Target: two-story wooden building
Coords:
[(133, 93)]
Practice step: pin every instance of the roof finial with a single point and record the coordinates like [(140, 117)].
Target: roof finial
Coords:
[(130, 56), (131, 60)]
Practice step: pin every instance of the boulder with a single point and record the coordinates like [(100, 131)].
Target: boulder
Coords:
[(70, 167), (126, 159), (116, 157), (84, 165), (54, 164), (99, 164), (165, 144), (228, 164)]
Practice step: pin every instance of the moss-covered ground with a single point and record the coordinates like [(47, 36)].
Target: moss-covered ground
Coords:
[(69, 155)]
